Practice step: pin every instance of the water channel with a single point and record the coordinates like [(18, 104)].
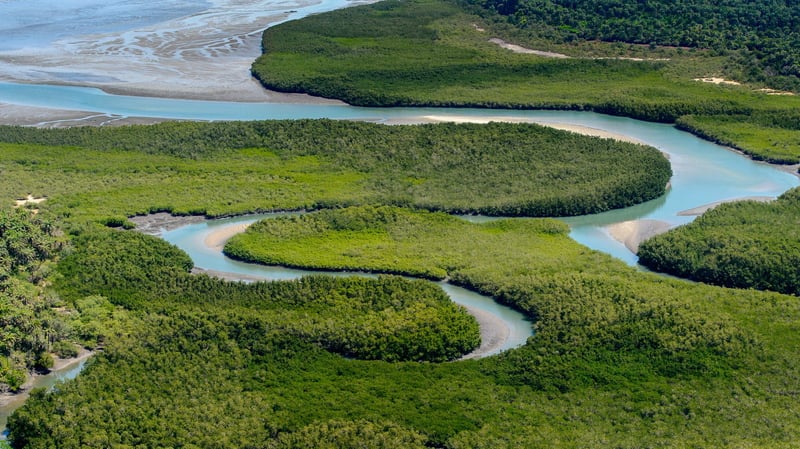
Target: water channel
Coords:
[(704, 173), (192, 239)]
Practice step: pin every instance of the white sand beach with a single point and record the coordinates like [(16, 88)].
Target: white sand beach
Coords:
[(634, 232)]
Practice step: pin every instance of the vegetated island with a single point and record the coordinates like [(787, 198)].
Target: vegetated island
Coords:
[(228, 168), (226, 364), (744, 244), (441, 53), (620, 358)]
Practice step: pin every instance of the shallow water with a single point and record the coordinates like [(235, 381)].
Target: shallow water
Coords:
[(703, 172), (73, 40), (48, 381), (23, 26), (191, 239)]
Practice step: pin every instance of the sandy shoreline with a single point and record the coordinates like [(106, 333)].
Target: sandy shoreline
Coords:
[(579, 129), (633, 233), (699, 210)]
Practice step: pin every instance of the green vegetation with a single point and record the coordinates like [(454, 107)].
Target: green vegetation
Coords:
[(773, 136), (383, 239), (761, 38), (745, 244), (232, 168), (619, 358), (434, 52), (28, 324), (388, 318), (35, 323)]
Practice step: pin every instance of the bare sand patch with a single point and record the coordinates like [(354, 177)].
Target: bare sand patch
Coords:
[(217, 239), (29, 200), (774, 92), (520, 49), (549, 54), (717, 80), (634, 232), (699, 210)]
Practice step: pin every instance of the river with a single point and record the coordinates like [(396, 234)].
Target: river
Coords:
[(147, 45), (514, 328), (704, 172)]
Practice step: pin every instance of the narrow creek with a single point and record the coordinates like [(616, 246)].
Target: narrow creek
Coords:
[(502, 328)]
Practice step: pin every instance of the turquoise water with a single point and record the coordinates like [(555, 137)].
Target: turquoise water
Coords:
[(703, 172), (191, 239)]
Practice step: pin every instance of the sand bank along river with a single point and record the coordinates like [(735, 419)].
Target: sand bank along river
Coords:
[(501, 327), (173, 54)]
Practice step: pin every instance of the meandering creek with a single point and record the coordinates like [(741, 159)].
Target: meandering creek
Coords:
[(501, 327), (704, 173)]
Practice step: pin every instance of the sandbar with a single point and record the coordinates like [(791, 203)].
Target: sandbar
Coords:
[(717, 80), (520, 49), (217, 239), (633, 233), (578, 129), (699, 210)]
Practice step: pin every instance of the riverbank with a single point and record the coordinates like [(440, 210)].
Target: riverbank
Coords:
[(34, 378), (579, 129), (62, 369), (494, 331), (632, 233), (700, 210)]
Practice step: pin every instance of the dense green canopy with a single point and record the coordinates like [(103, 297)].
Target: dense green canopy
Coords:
[(745, 244)]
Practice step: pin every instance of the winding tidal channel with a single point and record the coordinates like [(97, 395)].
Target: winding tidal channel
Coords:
[(704, 174), (136, 53)]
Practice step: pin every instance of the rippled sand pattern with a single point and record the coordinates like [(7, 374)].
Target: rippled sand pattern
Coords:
[(205, 53)]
